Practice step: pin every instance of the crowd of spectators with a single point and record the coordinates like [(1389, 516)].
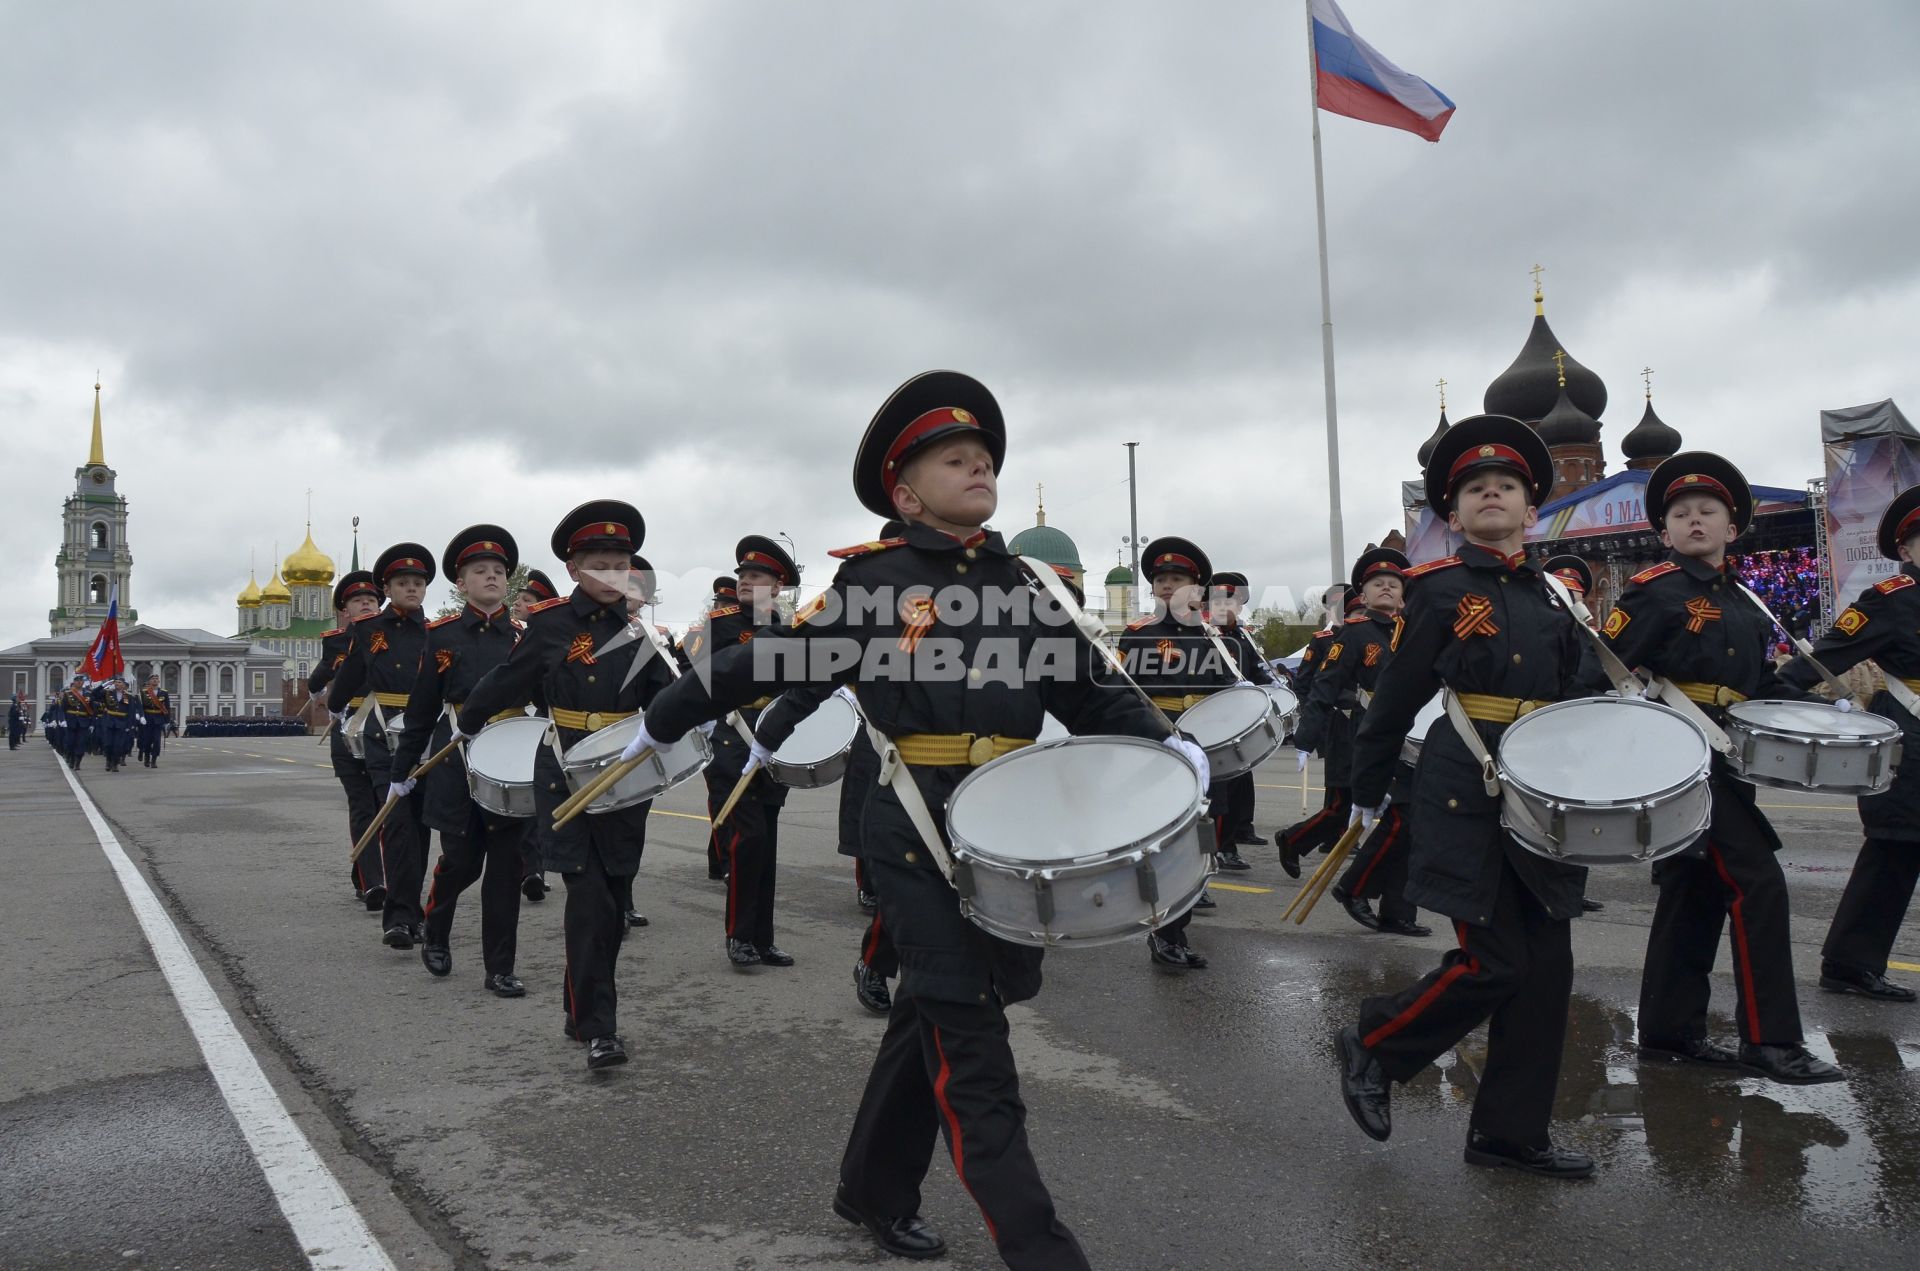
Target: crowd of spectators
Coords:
[(1789, 581)]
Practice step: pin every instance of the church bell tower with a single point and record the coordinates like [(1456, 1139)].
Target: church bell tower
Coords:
[(94, 558)]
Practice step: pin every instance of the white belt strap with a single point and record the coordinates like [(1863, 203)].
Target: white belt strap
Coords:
[(1899, 690), (673, 667), (895, 773), (1834, 683)]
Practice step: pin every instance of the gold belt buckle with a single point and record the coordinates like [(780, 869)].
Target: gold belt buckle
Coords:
[(594, 722), (980, 751)]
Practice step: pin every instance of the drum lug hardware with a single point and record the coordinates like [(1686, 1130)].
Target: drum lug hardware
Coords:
[(963, 879), (1643, 827), (1813, 761), (1043, 898), (1557, 826), (1748, 745), (1148, 880)]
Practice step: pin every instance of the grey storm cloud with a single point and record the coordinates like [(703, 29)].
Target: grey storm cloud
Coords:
[(447, 262)]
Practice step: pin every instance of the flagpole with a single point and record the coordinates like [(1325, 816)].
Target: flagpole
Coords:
[(1334, 528)]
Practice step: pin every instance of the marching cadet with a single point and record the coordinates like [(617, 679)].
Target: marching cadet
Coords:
[(76, 709), (748, 840), (17, 716), (156, 710), (1169, 655), (1330, 602), (382, 658), (1578, 576), (724, 591), (1227, 597), (1348, 676), (576, 659), (54, 720), (1686, 620), (931, 457), (1324, 827), (461, 648), (641, 589), (114, 715), (1883, 623), (355, 596), (1483, 625), (533, 883)]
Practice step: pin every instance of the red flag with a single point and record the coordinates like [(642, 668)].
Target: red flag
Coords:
[(103, 657)]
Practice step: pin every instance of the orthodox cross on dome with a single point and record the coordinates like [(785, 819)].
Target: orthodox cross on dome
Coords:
[(1539, 298), (1560, 365), (1040, 503), (1441, 384), (1646, 374)]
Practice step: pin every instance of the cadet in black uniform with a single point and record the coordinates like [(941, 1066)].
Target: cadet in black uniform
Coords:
[(749, 838), (931, 456), (1578, 577), (1227, 597), (17, 715), (1882, 624), (461, 648), (1348, 676), (1323, 828), (76, 710), (355, 596), (1168, 654), (382, 658), (156, 720), (574, 662), (533, 882), (1686, 620), (641, 589), (724, 594), (1484, 625)]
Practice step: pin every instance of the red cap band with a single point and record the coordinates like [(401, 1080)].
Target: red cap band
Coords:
[(358, 587), (909, 436), (763, 562), (598, 529), (1383, 567), (1175, 560), (486, 548), (540, 589), (405, 564), (1697, 483), (1488, 454), (1907, 525), (1571, 577)]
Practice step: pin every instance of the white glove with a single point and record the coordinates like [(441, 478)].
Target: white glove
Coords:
[(706, 729), (401, 789), (1191, 752), (1844, 703), (643, 740), (1367, 816), (757, 755), (1300, 758), (846, 691), (339, 718), (453, 731), (140, 719)]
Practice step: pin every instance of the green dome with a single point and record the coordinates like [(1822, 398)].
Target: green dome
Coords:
[(1119, 576), (1049, 544)]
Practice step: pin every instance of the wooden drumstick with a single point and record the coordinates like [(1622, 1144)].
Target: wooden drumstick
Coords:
[(739, 788), (1335, 859), (577, 804), (420, 770), (1320, 877)]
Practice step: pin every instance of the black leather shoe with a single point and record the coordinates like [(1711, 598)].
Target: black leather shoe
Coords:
[(506, 985), (1357, 909), (1395, 927), (1196, 961), (1233, 861), (1289, 859), (908, 1237), (774, 955), (1550, 1161), (634, 918), (399, 936), (1364, 1087), (375, 897), (870, 987), (742, 954), (1247, 836), (1697, 1050), (1204, 904), (438, 959), (1847, 980), (1165, 953), (867, 901), (534, 888), (1590, 906), (605, 1052), (1789, 1065)]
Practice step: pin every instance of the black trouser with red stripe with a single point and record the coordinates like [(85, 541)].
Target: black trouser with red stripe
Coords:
[(749, 845), (1517, 973), (1379, 868), (1738, 878), (594, 930), (1873, 906), (876, 946), (403, 843), (495, 852), (362, 807), (1324, 827)]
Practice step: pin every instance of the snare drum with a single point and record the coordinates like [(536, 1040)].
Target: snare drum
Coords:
[(1812, 746), (1236, 727), (1605, 781), (816, 754), (354, 733), (1083, 841), (1284, 704), (1417, 735), (663, 770), (500, 764)]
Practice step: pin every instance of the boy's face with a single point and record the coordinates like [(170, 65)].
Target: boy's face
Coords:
[(485, 584), (1384, 593), (1910, 549), (1490, 505), (1698, 525), (639, 591), (755, 588), (952, 481), (406, 591), (601, 573), (1180, 593), (521, 603), (1224, 603), (360, 606)]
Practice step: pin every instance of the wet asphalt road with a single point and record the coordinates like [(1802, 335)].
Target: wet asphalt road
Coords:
[(1182, 1122)]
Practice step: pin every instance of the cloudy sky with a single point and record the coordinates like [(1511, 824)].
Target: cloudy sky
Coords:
[(447, 262)]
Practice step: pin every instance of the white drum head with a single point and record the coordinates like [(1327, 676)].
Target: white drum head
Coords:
[(607, 743), (1225, 715), (1811, 719), (1282, 699), (1602, 750), (504, 750), (1073, 799), (821, 735)]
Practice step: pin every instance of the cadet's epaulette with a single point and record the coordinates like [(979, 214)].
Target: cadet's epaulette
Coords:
[(1138, 623), (1893, 584), (724, 611), (1652, 572), (1432, 566), (1358, 617), (441, 622), (336, 631), (866, 549), (369, 617), (545, 605)]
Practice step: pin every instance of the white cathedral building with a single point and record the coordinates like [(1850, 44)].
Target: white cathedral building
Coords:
[(207, 674)]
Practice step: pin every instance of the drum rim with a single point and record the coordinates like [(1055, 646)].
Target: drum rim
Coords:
[(1701, 773), (1227, 694), (568, 763), (776, 764), (497, 727), (1185, 821), (1886, 736)]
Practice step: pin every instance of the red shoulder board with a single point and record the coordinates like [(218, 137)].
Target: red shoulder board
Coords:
[(1138, 623), (336, 631), (441, 622), (1432, 566), (1652, 572), (369, 617), (723, 611), (866, 549), (545, 605), (1358, 617), (1893, 584)]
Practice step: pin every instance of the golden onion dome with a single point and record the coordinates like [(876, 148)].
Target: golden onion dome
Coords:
[(309, 565), (275, 592), (250, 598)]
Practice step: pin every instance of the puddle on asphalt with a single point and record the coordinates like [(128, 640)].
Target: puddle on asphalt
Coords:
[(1844, 1152)]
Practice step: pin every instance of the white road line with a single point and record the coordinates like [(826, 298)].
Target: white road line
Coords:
[(324, 1221)]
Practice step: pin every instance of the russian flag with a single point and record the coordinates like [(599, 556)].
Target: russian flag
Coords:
[(103, 657), (1354, 80)]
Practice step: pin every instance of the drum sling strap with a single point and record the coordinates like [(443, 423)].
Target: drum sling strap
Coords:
[(1090, 627), (894, 772), (1835, 684), (1897, 688)]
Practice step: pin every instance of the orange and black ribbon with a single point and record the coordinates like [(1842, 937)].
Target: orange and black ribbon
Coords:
[(1474, 617), (1700, 612), (581, 650)]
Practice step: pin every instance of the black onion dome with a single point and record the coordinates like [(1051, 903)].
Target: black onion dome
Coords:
[(1566, 424), (1527, 389), (1651, 438), (1426, 447)]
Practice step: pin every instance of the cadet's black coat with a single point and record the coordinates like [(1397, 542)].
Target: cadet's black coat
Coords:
[(333, 655), (382, 656), (1247, 658), (1353, 661), (726, 627), (461, 648), (1171, 658), (1478, 624), (1883, 623)]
